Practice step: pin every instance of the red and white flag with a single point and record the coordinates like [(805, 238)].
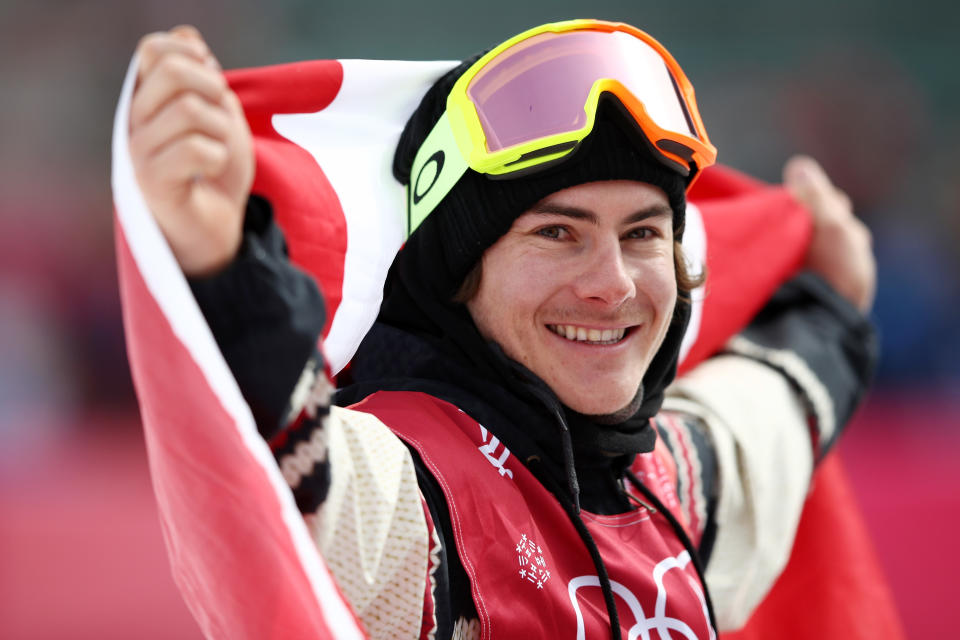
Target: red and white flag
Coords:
[(324, 136)]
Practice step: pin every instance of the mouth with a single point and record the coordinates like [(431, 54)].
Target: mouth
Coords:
[(584, 335)]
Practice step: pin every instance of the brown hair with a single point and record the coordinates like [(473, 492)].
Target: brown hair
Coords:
[(685, 281)]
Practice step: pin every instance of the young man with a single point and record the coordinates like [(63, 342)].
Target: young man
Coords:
[(529, 331)]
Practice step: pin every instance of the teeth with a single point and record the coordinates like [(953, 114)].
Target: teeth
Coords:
[(590, 336)]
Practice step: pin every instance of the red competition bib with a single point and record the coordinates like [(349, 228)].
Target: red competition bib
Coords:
[(530, 573)]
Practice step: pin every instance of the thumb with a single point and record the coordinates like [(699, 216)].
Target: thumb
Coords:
[(806, 181), (805, 178)]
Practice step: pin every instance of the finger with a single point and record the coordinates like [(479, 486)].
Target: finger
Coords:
[(808, 183), (187, 113), (241, 136), (190, 33), (172, 75), (845, 201), (231, 102), (804, 177), (187, 32), (185, 160), (863, 234), (153, 46)]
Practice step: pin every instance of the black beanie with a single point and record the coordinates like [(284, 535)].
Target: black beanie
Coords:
[(480, 208)]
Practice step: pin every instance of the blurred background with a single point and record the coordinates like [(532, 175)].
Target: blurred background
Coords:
[(869, 88)]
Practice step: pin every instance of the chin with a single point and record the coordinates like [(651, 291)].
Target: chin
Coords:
[(621, 405)]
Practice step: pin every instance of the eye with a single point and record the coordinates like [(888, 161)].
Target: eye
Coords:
[(642, 233), (553, 232)]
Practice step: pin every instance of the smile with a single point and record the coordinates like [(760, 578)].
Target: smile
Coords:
[(588, 336)]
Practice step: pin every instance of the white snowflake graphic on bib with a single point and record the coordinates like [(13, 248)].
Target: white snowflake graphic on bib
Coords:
[(533, 568)]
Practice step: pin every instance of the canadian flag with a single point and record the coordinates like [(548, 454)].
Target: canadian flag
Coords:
[(324, 134)]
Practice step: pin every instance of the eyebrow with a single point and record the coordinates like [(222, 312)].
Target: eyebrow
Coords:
[(578, 213)]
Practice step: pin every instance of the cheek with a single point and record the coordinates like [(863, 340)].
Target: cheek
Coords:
[(505, 308), (660, 288), (667, 285), (481, 307), (657, 278), (498, 302)]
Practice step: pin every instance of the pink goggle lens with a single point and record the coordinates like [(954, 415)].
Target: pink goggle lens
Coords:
[(540, 86)]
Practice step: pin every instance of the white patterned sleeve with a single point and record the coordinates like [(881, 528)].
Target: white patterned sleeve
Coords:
[(761, 439), (370, 527), (773, 405)]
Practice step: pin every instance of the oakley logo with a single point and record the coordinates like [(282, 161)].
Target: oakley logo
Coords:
[(435, 163), (660, 622)]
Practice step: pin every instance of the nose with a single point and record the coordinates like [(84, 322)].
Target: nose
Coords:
[(606, 277)]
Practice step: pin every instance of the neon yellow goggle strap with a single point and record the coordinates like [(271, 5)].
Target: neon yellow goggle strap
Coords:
[(437, 167)]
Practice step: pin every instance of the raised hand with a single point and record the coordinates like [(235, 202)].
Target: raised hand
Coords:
[(191, 148), (842, 247)]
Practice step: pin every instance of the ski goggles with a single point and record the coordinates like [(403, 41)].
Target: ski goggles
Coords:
[(530, 101)]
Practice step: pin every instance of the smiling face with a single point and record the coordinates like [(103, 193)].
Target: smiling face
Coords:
[(581, 290)]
